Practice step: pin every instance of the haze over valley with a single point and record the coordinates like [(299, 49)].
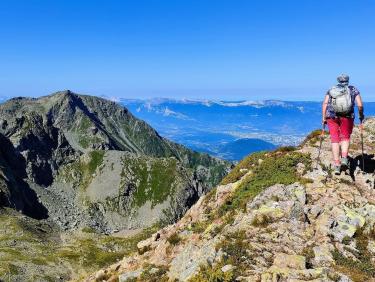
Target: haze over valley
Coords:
[(231, 129)]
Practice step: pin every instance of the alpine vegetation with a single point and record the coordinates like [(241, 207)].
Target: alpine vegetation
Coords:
[(277, 216)]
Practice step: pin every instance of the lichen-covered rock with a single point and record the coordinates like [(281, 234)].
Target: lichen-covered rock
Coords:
[(323, 255), (188, 261), (346, 222)]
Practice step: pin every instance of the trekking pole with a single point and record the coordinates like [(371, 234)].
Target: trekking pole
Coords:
[(363, 155), (321, 142)]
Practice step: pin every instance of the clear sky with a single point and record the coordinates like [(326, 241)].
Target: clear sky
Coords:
[(232, 49)]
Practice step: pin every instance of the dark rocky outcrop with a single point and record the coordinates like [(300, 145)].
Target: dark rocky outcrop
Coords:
[(14, 191)]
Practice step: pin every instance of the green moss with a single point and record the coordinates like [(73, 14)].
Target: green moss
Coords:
[(277, 168)]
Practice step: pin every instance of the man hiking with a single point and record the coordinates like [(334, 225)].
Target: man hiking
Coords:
[(338, 113)]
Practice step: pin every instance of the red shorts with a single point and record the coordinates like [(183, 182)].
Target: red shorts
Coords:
[(340, 128)]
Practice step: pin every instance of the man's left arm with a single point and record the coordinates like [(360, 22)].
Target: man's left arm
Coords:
[(359, 103)]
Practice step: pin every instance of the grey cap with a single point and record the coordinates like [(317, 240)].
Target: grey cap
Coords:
[(342, 78)]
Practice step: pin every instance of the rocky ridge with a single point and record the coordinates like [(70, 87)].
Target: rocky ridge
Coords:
[(88, 161), (278, 216)]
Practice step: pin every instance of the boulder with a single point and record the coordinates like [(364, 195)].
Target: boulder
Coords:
[(129, 275), (227, 268), (323, 255), (289, 261), (346, 222)]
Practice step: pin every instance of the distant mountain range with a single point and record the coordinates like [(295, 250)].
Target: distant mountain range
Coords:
[(217, 127)]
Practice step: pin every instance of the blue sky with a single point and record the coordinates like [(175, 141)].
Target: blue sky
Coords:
[(233, 49)]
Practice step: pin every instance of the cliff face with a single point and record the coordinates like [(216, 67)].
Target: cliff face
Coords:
[(90, 162), (278, 216), (14, 191)]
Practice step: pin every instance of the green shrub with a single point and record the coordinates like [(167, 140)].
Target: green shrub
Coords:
[(174, 239), (153, 273), (80, 252), (277, 168), (362, 269), (199, 226), (242, 167), (237, 252), (313, 137), (284, 149), (156, 179), (212, 274), (262, 220), (346, 240), (309, 254)]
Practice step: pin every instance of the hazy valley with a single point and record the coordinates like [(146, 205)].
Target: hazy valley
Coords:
[(244, 127)]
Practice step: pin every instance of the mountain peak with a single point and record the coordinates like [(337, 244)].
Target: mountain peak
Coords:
[(53, 132), (66, 92)]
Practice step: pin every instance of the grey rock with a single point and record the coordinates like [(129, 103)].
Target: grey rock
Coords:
[(227, 268), (129, 275)]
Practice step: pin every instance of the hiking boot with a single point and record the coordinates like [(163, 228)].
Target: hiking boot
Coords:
[(344, 163), (337, 169)]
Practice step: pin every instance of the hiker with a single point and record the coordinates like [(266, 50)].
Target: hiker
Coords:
[(338, 113)]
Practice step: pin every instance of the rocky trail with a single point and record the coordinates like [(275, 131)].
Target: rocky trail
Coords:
[(278, 216)]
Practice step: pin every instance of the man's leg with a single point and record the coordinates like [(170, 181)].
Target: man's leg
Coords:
[(336, 153), (346, 128), (345, 144), (334, 132)]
